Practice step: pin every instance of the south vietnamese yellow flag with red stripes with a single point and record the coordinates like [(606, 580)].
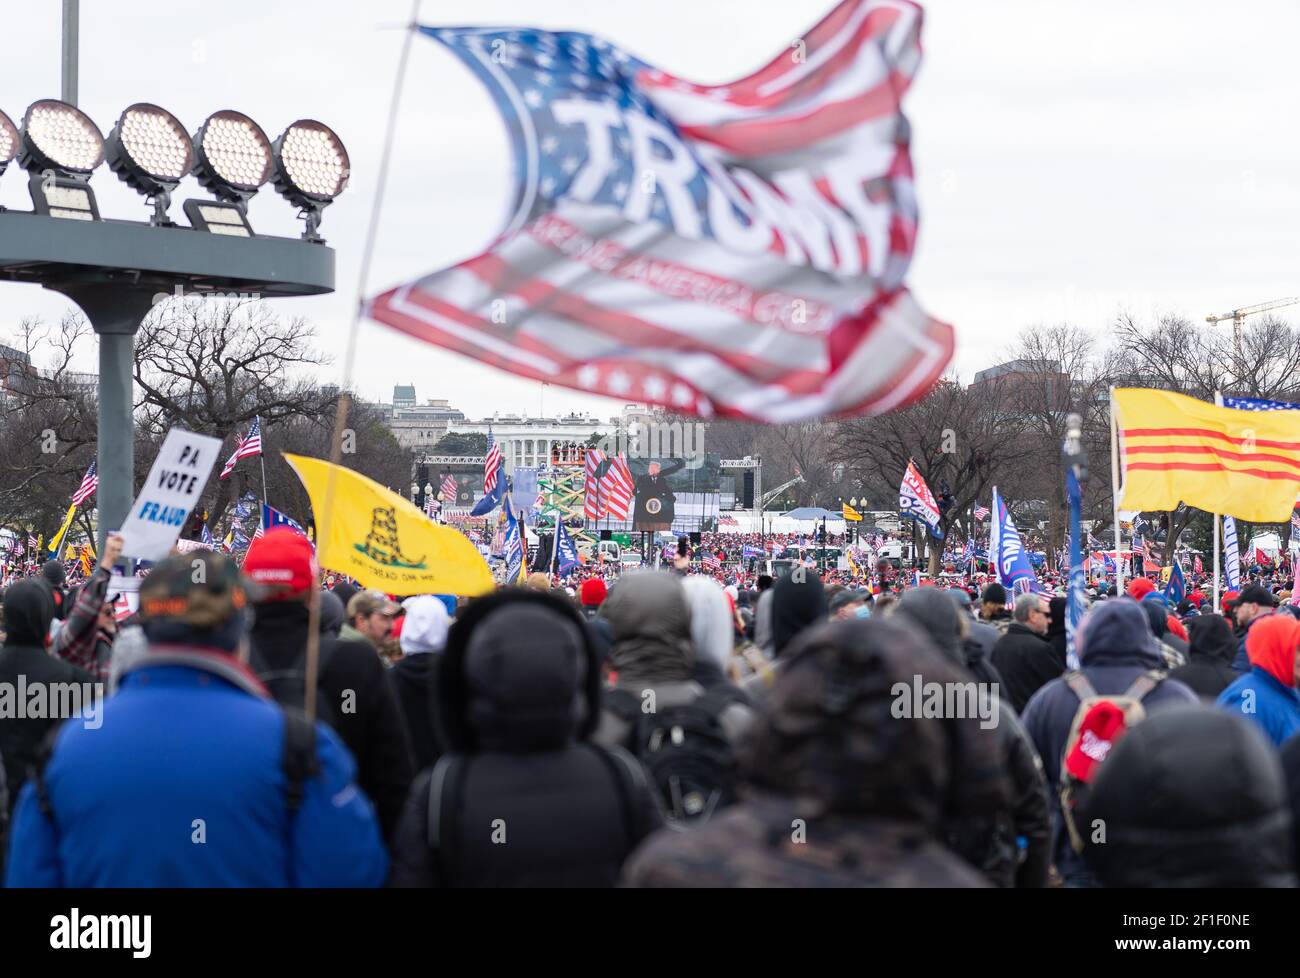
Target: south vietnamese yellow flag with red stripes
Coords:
[(1174, 448)]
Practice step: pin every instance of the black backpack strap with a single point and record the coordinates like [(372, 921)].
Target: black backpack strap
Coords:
[(299, 761), (442, 831), (626, 774), (37, 771)]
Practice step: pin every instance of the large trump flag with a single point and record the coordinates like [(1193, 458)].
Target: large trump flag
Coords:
[(384, 541), (728, 250), (1174, 449)]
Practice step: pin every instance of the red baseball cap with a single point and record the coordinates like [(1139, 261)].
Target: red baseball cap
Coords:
[(592, 592), (283, 562)]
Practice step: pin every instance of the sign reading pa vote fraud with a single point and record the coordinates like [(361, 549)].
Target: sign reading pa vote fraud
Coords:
[(174, 485), (382, 540)]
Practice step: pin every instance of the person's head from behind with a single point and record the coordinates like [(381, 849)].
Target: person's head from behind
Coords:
[(993, 601), (372, 614), (28, 611), (519, 674), (196, 600), (1033, 612), (1189, 797), (836, 739), (426, 625), (712, 627), (282, 563), (798, 601)]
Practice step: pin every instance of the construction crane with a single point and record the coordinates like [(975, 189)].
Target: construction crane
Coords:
[(769, 496), (1238, 316)]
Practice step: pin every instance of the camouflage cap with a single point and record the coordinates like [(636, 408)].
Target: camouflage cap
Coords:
[(201, 589)]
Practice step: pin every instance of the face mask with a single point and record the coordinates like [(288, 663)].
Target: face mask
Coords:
[(864, 611)]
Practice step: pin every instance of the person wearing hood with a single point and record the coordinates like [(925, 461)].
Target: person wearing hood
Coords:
[(1190, 798), (713, 629), (1115, 647), (1014, 848), (354, 693), (521, 797), (653, 659), (1158, 620), (798, 602), (1267, 694), (28, 610), (1022, 656), (53, 578), (333, 613), (423, 637), (815, 771), (1056, 636), (1212, 645), (192, 775)]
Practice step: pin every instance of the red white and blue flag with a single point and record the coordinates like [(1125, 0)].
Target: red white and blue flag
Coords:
[(494, 486), (981, 513), (248, 446), (916, 501), (89, 483), (732, 250)]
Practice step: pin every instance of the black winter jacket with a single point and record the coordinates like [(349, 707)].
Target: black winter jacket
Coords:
[(524, 798), (1025, 662), (365, 711)]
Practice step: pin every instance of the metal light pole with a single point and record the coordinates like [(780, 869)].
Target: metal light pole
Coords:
[(71, 48)]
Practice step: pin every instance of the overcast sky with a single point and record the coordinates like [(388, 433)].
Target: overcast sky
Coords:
[(1073, 159)]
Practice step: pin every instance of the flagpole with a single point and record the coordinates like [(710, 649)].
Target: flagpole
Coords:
[(261, 457), (1114, 490)]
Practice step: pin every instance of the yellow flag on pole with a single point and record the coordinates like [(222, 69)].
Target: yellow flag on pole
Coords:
[(382, 540), (850, 513), (1176, 449), (63, 530)]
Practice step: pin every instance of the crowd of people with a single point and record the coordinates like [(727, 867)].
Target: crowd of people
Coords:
[(270, 724)]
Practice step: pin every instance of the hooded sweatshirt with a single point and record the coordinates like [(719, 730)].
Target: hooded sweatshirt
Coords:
[(1211, 646), (878, 796), (518, 695), (1115, 647), (1267, 695), (28, 610), (423, 637), (1191, 798)]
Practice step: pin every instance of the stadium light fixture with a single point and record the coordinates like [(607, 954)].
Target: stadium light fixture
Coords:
[(151, 151), (232, 159), (311, 169), (9, 141), (60, 147)]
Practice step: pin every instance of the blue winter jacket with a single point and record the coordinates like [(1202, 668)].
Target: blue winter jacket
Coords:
[(1260, 698), (182, 785), (1116, 646)]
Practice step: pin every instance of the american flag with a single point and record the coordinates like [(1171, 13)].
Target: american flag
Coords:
[(617, 489), (981, 512), (447, 493), (759, 271), (17, 547), (727, 520), (31, 540), (1259, 404), (491, 465), (711, 561), (89, 483), (248, 446), (592, 508)]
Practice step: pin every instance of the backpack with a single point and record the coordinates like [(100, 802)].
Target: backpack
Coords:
[(1099, 722), (685, 752), (288, 686), (447, 796)]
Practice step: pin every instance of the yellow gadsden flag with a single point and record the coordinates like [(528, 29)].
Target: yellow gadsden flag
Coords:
[(1178, 449), (377, 537), (850, 513)]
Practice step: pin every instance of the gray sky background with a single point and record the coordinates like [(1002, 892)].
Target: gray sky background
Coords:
[(1073, 159)]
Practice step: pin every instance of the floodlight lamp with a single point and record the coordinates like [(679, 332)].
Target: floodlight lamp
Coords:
[(311, 169), (59, 139), (151, 151), (9, 141), (232, 156)]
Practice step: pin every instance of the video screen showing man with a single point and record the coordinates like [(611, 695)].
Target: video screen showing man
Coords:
[(655, 508)]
